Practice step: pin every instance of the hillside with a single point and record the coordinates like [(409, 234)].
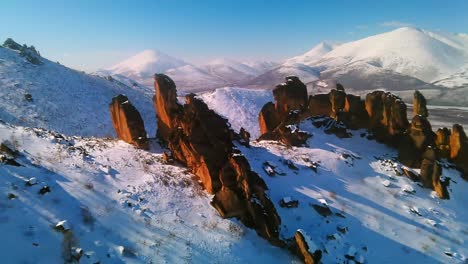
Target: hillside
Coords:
[(63, 99)]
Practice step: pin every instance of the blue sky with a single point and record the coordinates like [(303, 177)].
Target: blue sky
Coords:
[(91, 34)]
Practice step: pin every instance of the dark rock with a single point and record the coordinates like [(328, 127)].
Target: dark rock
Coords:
[(419, 105), (287, 202), (305, 249), (322, 210), (319, 105), (127, 122), (442, 142), (44, 190), (245, 137), (459, 149)]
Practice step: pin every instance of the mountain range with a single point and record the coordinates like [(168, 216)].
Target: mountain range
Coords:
[(400, 60)]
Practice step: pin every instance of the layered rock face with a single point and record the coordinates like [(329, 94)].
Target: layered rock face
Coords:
[(419, 105), (202, 140), (459, 149), (431, 171), (290, 96), (127, 122), (387, 116)]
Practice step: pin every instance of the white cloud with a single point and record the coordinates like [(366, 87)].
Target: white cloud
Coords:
[(395, 24)]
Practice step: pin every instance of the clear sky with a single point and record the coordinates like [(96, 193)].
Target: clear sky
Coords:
[(91, 34)]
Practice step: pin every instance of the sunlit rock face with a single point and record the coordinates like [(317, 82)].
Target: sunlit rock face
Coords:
[(127, 122), (203, 140)]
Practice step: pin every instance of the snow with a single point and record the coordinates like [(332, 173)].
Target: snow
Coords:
[(240, 106), (64, 100), (138, 211)]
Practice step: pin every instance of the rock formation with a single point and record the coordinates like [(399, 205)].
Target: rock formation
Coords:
[(459, 149), (387, 116), (419, 105), (305, 248), (443, 142), (319, 105), (276, 119), (127, 122), (431, 172), (415, 142), (201, 139)]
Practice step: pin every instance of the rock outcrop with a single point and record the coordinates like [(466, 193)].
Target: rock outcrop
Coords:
[(201, 139), (431, 173), (443, 142), (415, 142), (319, 105), (459, 149), (306, 249), (419, 105), (387, 116), (276, 119), (127, 122)]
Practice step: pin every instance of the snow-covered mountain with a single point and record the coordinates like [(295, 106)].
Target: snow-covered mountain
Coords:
[(189, 77), (55, 97), (142, 66), (311, 56)]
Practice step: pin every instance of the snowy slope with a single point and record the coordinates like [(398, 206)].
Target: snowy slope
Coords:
[(239, 106), (121, 204), (271, 78), (375, 215), (190, 78), (63, 99)]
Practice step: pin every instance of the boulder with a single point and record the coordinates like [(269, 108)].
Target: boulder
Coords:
[(127, 122), (244, 137), (203, 140), (419, 104)]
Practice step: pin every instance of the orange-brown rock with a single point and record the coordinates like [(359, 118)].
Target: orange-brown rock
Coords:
[(416, 141), (290, 96), (387, 116), (431, 172), (337, 100), (443, 142), (201, 139), (127, 122), (354, 113), (459, 149), (165, 104), (319, 105), (419, 105), (268, 118), (305, 250)]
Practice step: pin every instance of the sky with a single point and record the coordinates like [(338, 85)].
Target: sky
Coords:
[(88, 34)]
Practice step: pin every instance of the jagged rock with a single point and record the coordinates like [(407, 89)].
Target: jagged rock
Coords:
[(245, 137), (201, 139), (287, 202), (387, 116), (415, 142), (165, 104), (354, 113), (319, 105), (268, 118), (459, 149), (340, 87), (443, 142), (430, 178), (419, 105), (306, 249), (337, 100), (290, 96), (127, 122)]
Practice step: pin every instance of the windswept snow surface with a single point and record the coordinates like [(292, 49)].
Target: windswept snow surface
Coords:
[(379, 223), (121, 205), (63, 99), (240, 106)]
